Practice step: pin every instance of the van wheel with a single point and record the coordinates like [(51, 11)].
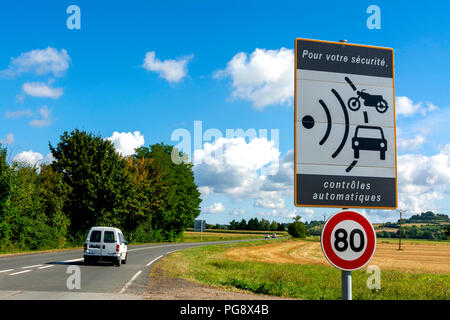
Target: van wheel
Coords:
[(124, 261), (118, 262)]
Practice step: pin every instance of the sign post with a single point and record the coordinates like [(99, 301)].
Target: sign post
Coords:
[(346, 285), (200, 225), (345, 146), (348, 242)]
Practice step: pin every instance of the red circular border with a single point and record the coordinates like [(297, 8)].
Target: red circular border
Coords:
[(348, 265)]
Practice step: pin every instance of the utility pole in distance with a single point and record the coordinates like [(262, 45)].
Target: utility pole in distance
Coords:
[(400, 230)]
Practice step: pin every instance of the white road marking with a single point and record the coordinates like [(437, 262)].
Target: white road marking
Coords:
[(130, 282), (152, 261), (44, 267), (12, 274), (73, 260), (7, 270), (36, 265)]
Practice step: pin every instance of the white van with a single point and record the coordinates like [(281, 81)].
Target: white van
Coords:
[(105, 244)]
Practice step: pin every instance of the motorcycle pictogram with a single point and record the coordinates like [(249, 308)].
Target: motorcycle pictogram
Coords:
[(370, 100)]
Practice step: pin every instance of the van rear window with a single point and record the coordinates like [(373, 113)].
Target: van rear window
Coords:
[(95, 236), (108, 237)]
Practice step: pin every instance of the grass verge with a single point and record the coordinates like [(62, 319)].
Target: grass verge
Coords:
[(208, 265)]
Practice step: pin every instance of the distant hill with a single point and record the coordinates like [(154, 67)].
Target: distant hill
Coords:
[(427, 217), (427, 225)]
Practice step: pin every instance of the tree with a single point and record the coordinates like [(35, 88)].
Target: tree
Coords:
[(144, 199), (264, 225), (243, 225), (5, 193), (54, 193), (234, 225), (176, 198), (253, 224), (274, 226), (94, 172), (297, 229)]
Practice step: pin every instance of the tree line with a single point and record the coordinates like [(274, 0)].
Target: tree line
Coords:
[(296, 229), (255, 224), (437, 227), (88, 183), (429, 232)]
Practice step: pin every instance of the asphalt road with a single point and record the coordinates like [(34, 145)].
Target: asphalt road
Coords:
[(46, 275)]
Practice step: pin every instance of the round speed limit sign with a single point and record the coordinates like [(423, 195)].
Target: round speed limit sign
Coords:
[(348, 240)]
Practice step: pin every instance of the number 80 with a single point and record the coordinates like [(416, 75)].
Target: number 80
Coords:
[(341, 237)]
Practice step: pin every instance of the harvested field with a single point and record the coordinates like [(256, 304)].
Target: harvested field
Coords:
[(421, 257)]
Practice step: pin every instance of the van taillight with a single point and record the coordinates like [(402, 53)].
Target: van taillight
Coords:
[(85, 246), (117, 248)]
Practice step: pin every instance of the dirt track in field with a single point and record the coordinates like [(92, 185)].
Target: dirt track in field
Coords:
[(414, 257)]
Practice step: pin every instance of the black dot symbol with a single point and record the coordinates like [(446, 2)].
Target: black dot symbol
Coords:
[(308, 122)]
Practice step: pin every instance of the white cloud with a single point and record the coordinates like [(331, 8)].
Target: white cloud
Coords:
[(9, 139), (277, 203), (42, 90), (39, 62), (235, 168), (266, 77), (308, 212), (126, 142), (48, 159), (28, 157), (411, 144), (431, 107), (281, 213), (18, 114), (45, 121), (422, 180), (282, 177), (205, 191), (231, 166), (33, 158), (237, 212), (217, 207), (171, 70), (406, 107)]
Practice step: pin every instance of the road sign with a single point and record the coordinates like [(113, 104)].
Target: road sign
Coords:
[(345, 148), (199, 225), (348, 240)]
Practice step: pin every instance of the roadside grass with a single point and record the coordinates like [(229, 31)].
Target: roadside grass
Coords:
[(208, 265), (191, 236), (15, 251)]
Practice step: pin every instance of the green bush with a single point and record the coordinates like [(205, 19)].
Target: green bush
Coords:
[(297, 229)]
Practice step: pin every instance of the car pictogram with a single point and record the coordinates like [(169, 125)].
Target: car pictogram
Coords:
[(369, 138)]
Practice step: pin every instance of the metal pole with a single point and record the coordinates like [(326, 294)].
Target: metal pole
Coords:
[(346, 277), (400, 231), (346, 285)]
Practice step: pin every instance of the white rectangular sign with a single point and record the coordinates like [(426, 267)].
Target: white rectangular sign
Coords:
[(345, 149)]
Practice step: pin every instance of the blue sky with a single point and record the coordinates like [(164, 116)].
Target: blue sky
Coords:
[(106, 86)]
